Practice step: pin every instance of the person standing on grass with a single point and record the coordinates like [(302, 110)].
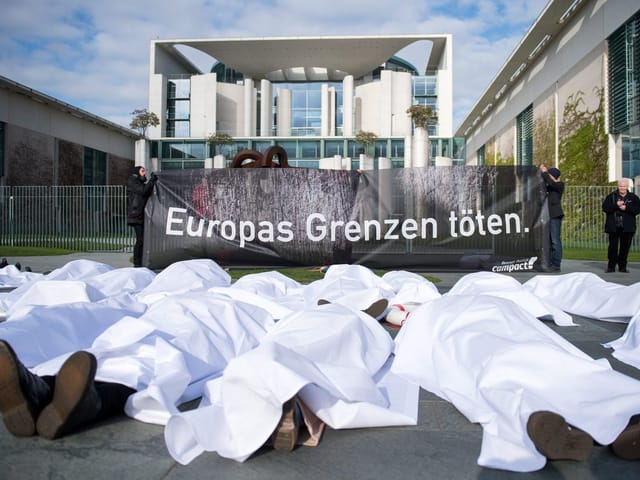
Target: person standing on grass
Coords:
[(621, 207), (555, 189), (138, 192)]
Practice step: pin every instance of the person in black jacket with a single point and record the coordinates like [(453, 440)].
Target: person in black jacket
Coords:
[(621, 207), (555, 189), (138, 192)]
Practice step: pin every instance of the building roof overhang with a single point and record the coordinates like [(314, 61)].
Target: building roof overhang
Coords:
[(307, 58), (547, 27)]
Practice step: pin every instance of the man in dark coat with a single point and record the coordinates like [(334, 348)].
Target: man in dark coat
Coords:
[(555, 189), (138, 192), (621, 207)]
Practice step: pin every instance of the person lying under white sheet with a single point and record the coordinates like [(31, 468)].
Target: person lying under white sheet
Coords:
[(524, 384)]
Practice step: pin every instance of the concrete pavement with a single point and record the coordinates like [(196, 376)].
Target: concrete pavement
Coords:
[(444, 445)]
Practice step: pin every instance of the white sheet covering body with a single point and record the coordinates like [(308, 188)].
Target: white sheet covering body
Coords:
[(586, 294), (498, 364), (504, 286), (181, 339), (334, 357), (627, 347)]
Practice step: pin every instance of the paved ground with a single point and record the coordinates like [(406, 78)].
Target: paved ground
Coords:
[(444, 445)]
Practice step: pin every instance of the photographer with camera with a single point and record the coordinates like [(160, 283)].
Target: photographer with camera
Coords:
[(621, 207), (138, 192)]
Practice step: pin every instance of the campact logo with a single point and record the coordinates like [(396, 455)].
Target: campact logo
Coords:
[(515, 266)]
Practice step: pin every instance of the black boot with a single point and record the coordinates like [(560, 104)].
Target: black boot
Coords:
[(23, 395), (75, 401)]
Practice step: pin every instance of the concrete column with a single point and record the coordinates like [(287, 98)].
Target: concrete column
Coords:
[(266, 114), (408, 149), (219, 161), (347, 106), (324, 110), (248, 113), (385, 99), (400, 120), (284, 112), (203, 105), (158, 104), (332, 112), (420, 154)]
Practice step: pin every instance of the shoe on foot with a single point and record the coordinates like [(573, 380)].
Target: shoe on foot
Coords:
[(285, 436), (627, 445), (75, 400), (555, 439), (377, 308), (623, 270), (23, 395), (609, 270)]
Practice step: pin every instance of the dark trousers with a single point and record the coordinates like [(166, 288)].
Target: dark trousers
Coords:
[(137, 248), (555, 231), (619, 245)]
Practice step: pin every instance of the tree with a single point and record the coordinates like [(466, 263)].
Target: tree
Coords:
[(366, 139), (422, 115), (583, 148), (218, 139), (142, 120)]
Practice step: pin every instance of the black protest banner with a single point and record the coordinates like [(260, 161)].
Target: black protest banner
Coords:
[(470, 218)]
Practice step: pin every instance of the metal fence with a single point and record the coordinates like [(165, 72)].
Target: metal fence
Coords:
[(93, 218), (583, 224), (84, 218)]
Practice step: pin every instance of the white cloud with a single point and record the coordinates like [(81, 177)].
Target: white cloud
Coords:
[(95, 55)]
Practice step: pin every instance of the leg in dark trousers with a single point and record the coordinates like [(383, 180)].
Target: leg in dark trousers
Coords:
[(612, 253), (625, 245), (137, 248), (79, 401)]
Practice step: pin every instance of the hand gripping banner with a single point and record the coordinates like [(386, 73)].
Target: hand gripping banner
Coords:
[(461, 217)]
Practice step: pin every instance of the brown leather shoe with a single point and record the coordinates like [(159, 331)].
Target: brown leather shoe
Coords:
[(23, 395), (285, 436), (75, 400), (555, 439), (627, 445)]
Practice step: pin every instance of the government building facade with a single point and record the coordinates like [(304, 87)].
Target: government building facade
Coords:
[(308, 95), (580, 58)]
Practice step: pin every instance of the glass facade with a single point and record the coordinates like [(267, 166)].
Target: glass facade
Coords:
[(94, 167), (306, 107), (425, 92), (304, 146), (302, 152), (624, 92)]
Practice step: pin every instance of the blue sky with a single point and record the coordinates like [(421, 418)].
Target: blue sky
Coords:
[(95, 55)]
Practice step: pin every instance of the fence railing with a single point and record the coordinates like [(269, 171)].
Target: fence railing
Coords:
[(81, 218), (90, 218), (583, 224)]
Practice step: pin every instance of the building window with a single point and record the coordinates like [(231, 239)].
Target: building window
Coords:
[(624, 92), (95, 167), (524, 123), (480, 154), (178, 107), (425, 92)]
